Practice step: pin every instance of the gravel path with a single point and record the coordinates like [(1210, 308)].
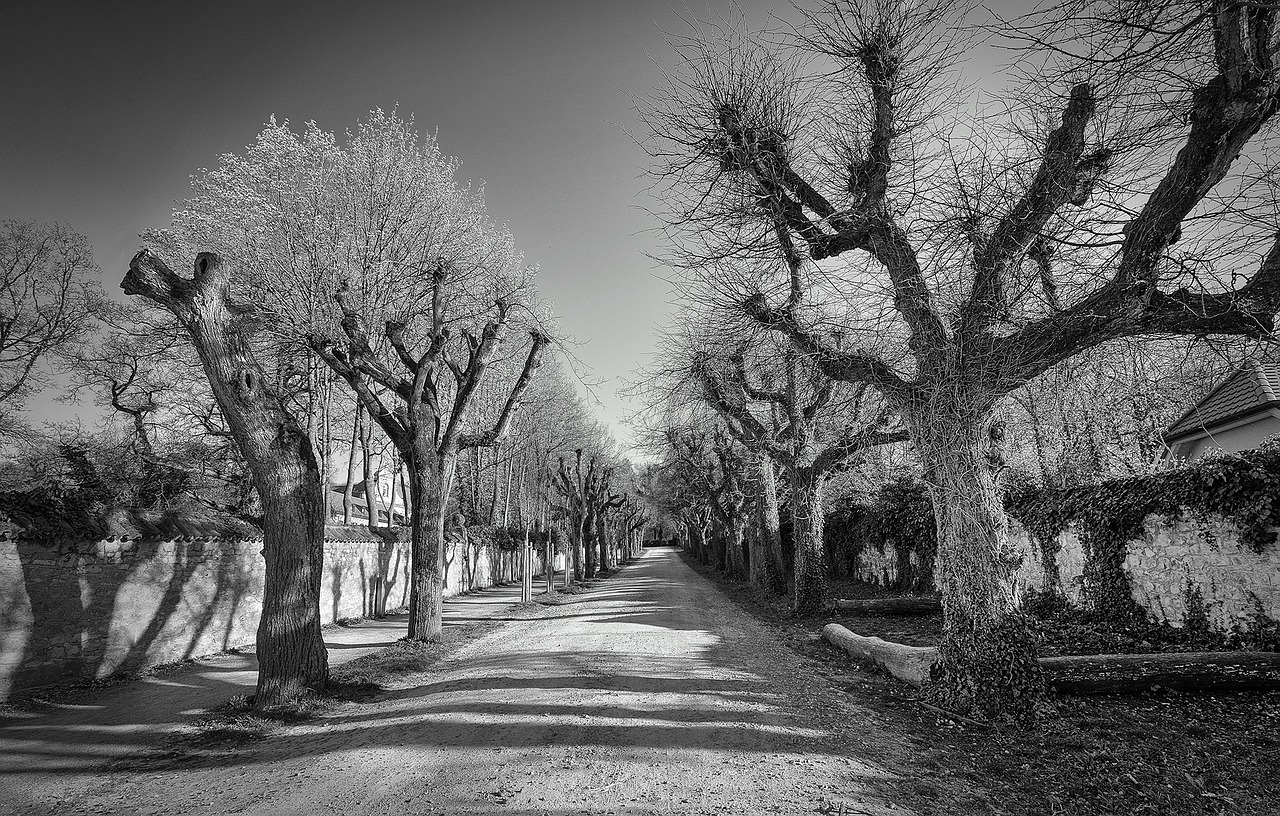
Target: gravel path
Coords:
[(650, 694)]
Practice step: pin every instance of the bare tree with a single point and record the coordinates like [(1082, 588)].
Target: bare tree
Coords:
[(48, 300), (1110, 202), (426, 427), (367, 253)]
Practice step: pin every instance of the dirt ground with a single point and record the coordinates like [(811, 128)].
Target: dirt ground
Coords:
[(652, 693)]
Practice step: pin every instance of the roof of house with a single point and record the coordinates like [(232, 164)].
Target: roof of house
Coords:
[(1251, 388)]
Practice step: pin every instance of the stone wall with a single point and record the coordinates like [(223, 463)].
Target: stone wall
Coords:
[(1172, 561), (1234, 583), (80, 610)]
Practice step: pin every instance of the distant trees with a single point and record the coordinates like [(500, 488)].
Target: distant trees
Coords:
[(947, 258), (48, 301)]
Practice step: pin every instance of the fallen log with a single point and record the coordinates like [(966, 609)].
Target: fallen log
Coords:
[(1088, 674), (904, 605), (910, 664), (1185, 671)]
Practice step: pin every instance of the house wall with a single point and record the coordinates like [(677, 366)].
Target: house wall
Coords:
[(1170, 557), (90, 609), (1242, 437)]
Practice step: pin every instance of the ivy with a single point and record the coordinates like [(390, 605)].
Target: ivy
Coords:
[(900, 520), (1111, 514)]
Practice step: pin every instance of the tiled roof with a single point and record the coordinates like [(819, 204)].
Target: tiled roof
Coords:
[(1253, 386)]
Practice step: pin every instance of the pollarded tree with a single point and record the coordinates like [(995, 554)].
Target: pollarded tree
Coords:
[(1124, 190), (427, 421), (292, 659)]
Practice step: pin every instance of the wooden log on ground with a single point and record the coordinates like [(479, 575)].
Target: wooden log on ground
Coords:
[(904, 605), (1088, 674), (1185, 671), (909, 664)]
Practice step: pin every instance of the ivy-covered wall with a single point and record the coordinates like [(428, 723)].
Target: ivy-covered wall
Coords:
[(1178, 571), (889, 541), (1193, 546), (89, 609)]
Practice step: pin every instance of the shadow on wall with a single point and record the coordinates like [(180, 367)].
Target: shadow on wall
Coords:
[(83, 610), (89, 609)]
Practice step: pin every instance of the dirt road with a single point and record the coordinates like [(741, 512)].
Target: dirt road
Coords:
[(650, 694)]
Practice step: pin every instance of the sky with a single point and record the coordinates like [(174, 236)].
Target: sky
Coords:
[(108, 108)]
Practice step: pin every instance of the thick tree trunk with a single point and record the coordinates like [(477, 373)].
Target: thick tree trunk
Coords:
[(987, 658), (807, 520), (1135, 673), (891, 606), (570, 561), (429, 484), (766, 543), (735, 535), (292, 660)]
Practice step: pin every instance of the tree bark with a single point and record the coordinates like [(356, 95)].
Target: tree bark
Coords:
[(807, 521), (766, 554), (348, 492), (605, 541), (1132, 673), (429, 487), (987, 658), (292, 660), (589, 542)]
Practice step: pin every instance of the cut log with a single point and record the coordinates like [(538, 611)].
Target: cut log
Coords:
[(909, 664), (1186, 671), (905, 605), (1088, 674)]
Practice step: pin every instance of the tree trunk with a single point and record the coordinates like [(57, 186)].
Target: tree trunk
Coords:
[(429, 486), (292, 660), (1138, 673), (766, 554), (372, 501), (589, 542), (904, 605), (606, 543), (987, 658), (807, 520)]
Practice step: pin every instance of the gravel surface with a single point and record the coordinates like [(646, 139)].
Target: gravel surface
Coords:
[(649, 694)]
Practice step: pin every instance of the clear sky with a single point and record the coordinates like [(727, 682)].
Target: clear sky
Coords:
[(107, 108)]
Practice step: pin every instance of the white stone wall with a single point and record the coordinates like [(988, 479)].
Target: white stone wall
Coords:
[(880, 568), (875, 567), (1234, 582), (1031, 577)]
